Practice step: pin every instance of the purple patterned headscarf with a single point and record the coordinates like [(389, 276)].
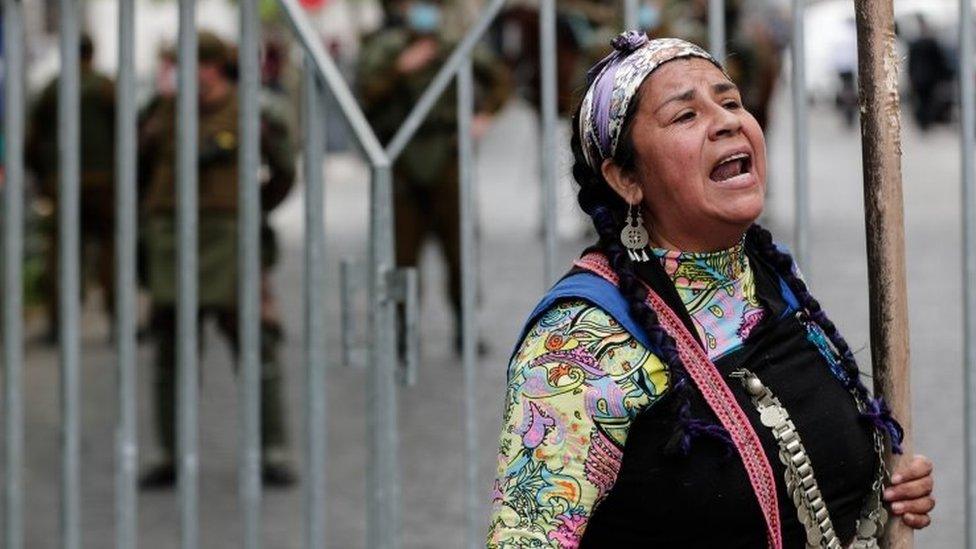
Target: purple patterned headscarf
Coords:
[(613, 82)]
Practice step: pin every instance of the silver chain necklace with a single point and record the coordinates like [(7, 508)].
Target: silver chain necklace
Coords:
[(801, 484)]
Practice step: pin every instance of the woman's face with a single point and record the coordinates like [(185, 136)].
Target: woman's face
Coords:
[(701, 157)]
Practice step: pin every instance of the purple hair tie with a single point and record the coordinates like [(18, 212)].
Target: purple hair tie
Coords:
[(628, 42), (879, 415)]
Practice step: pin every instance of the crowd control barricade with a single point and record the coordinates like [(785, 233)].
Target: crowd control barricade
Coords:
[(967, 94)]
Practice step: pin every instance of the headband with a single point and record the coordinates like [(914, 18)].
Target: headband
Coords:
[(613, 82)]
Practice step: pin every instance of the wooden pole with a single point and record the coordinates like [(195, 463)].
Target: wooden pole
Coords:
[(884, 222)]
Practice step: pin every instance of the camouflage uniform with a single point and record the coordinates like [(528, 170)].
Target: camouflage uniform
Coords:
[(218, 190), (97, 185), (426, 174)]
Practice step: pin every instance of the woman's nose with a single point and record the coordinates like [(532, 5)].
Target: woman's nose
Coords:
[(725, 123)]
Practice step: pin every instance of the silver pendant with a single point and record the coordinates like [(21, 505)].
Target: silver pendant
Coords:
[(866, 528), (881, 519), (772, 416), (634, 237), (801, 484), (814, 535), (753, 386)]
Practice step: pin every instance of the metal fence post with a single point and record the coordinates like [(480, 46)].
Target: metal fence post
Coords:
[(549, 97), (631, 8), (801, 217), (716, 29), (127, 444), (349, 284), (469, 283), (186, 263), (968, 130), (13, 261), (383, 527), (69, 291), (315, 395), (249, 267)]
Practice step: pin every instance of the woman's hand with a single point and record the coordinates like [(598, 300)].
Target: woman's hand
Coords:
[(910, 493)]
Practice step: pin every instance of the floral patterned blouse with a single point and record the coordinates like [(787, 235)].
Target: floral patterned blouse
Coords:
[(719, 291), (575, 384)]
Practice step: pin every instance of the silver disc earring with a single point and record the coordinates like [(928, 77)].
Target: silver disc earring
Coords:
[(634, 236)]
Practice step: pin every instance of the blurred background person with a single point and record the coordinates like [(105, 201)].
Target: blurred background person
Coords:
[(581, 26), (396, 65), (843, 57), (929, 73), (97, 181), (218, 189)]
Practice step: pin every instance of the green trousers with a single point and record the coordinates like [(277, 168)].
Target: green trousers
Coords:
[(273, 431)]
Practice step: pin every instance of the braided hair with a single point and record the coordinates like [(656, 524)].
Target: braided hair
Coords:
[(608, 213), (874, 410)]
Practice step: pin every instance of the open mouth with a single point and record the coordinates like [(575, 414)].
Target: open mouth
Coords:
[(731, 167)]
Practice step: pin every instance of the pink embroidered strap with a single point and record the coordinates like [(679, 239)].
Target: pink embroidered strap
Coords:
[(718, 396)]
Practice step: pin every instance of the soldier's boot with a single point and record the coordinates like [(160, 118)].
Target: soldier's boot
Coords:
[(276, 467), (163, 473)]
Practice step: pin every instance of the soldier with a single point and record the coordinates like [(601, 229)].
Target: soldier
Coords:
[(96, 178), (218, 189), (930, 71), (396, 65), (580, 28)]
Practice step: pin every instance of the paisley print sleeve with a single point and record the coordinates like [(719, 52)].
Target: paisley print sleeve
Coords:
[(574, 386)]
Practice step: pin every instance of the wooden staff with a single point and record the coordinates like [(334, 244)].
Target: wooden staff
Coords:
[(884, 222)]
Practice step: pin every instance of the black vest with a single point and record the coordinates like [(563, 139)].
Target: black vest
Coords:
[(704, 499)]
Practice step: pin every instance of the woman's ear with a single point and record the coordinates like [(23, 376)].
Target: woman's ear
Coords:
[(622, 182)]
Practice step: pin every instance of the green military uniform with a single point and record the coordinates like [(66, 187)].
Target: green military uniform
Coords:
[(97, 185), (218, 210), (426, 174)]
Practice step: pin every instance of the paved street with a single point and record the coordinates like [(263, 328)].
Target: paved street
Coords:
[(511, 273)]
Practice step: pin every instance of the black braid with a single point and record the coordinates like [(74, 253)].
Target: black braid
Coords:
[(877, 411), (608, 211)]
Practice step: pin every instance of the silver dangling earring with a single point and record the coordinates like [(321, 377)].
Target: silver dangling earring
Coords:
[(634, 236)]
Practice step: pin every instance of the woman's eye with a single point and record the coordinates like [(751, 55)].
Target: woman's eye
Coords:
[(684, 117), (732, 104)]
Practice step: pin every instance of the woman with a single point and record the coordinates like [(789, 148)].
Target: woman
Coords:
[(681, 387)]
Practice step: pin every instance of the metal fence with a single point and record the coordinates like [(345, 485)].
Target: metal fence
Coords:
[(386, 285), (967, 94)]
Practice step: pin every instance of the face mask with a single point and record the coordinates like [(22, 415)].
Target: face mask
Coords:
[(423, 17), (648, 17)]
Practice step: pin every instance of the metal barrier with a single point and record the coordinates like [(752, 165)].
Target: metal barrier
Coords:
[(187, 369), (13, 267), (801, 216), (387, 287), (967, 72), (127, 444), (315, 418), (68, 273)]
